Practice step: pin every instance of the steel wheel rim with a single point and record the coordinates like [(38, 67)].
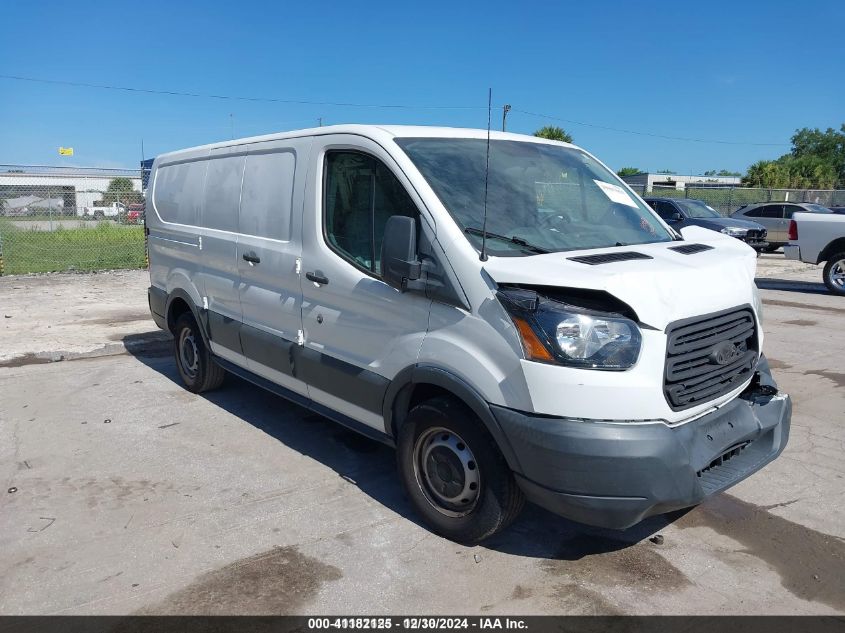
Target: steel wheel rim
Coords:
[(837, 273), (188, 353), (447, 472)]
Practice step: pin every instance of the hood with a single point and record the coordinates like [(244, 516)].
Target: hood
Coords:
[(663, 289), (723, 222)]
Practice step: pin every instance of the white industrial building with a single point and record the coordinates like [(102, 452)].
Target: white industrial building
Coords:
[(647, 181), (62, 190)]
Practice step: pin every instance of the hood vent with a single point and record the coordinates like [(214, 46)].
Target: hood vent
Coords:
[(691, 249), (608, 258)]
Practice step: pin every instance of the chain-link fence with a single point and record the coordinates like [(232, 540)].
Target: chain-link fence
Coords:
[(70, 219), (83, 219), (726, 200)]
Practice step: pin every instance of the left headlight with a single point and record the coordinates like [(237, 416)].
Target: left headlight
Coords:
[(734, 231), (555, 332)]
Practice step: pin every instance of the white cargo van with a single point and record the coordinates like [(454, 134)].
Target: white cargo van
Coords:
[(582, 355)]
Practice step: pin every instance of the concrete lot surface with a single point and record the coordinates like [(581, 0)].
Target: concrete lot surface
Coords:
[(124, 493)]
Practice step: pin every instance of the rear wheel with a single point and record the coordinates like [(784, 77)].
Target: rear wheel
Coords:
[(454, 473), (834, 274), (771, 248), (197, 368)]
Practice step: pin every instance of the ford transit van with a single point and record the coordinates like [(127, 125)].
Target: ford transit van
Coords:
[(505, 312)]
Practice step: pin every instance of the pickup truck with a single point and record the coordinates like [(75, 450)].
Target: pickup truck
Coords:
[(114, 210), (815, 238)]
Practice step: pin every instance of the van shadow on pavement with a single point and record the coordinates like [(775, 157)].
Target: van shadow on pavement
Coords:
[(371, 466)]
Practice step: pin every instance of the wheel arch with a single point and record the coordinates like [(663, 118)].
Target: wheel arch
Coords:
[(836, 246), (422, 382), (179, 302)]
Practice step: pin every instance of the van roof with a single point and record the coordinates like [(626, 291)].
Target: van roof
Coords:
[(375, 132)]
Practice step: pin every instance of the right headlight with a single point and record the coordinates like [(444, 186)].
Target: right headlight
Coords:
[(555, 332)]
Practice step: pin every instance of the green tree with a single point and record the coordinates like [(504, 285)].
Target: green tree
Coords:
[(121, 190), (629, 171), (817, 160), (554, 133)]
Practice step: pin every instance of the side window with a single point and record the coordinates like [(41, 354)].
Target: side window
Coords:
[(360, 194), (664, 209), (755, 213), (177, 191), (267, 195), (789, 209), (773, 211), (222, 193)]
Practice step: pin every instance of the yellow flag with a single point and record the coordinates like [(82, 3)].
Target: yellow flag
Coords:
[(65, 151)]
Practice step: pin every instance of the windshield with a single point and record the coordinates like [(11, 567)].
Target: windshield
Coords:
[(541, 197), (817, 208), (698, 209)]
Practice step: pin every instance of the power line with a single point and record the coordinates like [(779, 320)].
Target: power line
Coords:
[(395, 106), (663, 136), (175, 93)]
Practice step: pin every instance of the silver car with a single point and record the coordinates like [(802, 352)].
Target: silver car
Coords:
[(775, 216)]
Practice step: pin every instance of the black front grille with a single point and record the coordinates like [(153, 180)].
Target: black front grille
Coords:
[(607, 258), (755, 235), (709, 356)]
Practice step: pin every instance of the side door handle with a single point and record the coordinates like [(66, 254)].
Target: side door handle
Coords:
[(252, 258), (317, 278)]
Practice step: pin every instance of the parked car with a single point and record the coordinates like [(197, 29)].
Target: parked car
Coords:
[(576, 351), (775, 217), (681, 212), (135, 214), (817, 238), (113, 210)]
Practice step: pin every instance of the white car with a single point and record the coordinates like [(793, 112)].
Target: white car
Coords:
[(531, 329), (820, 238), (113, 210)]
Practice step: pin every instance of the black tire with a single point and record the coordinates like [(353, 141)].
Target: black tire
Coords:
[(197, 368), (771, 248), (835, 266), (98, 215), (498, 499)]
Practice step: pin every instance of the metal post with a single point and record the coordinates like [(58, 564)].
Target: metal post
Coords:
[(505, 109), (50, 207)]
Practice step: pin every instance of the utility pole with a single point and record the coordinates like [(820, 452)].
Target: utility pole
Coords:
[(232, 123), (320, 121), (505, 109)]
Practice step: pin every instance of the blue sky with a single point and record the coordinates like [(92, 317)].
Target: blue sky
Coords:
[(746, 72)]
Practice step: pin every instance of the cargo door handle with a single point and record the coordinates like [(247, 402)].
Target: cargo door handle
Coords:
[(317, 278), (252, 258)]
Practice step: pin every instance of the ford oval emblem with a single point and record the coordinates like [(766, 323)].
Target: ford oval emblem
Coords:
[(724, 353)]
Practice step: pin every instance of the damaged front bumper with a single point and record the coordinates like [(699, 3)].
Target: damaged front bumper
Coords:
[(614, 474)]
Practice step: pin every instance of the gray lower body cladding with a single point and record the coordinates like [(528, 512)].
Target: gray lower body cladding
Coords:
[(616, 474)]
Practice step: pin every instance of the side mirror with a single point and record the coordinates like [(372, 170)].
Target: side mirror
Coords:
[(676, 217), (399, 263)]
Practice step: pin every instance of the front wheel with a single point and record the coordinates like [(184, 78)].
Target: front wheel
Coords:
[(454, 474), (196, 367), (834, 274)]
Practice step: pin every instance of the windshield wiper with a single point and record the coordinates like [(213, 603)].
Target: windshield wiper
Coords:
[(504, 238)]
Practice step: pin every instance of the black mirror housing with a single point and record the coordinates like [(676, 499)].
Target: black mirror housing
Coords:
[(676, 217), (399, 262)]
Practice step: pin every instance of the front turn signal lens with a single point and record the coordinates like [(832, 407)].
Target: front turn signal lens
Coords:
[(533, 347)]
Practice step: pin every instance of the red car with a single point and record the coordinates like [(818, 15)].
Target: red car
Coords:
[(135, 214)]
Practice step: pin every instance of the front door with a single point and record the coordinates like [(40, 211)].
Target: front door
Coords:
[(269, 248), (359, 332)]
